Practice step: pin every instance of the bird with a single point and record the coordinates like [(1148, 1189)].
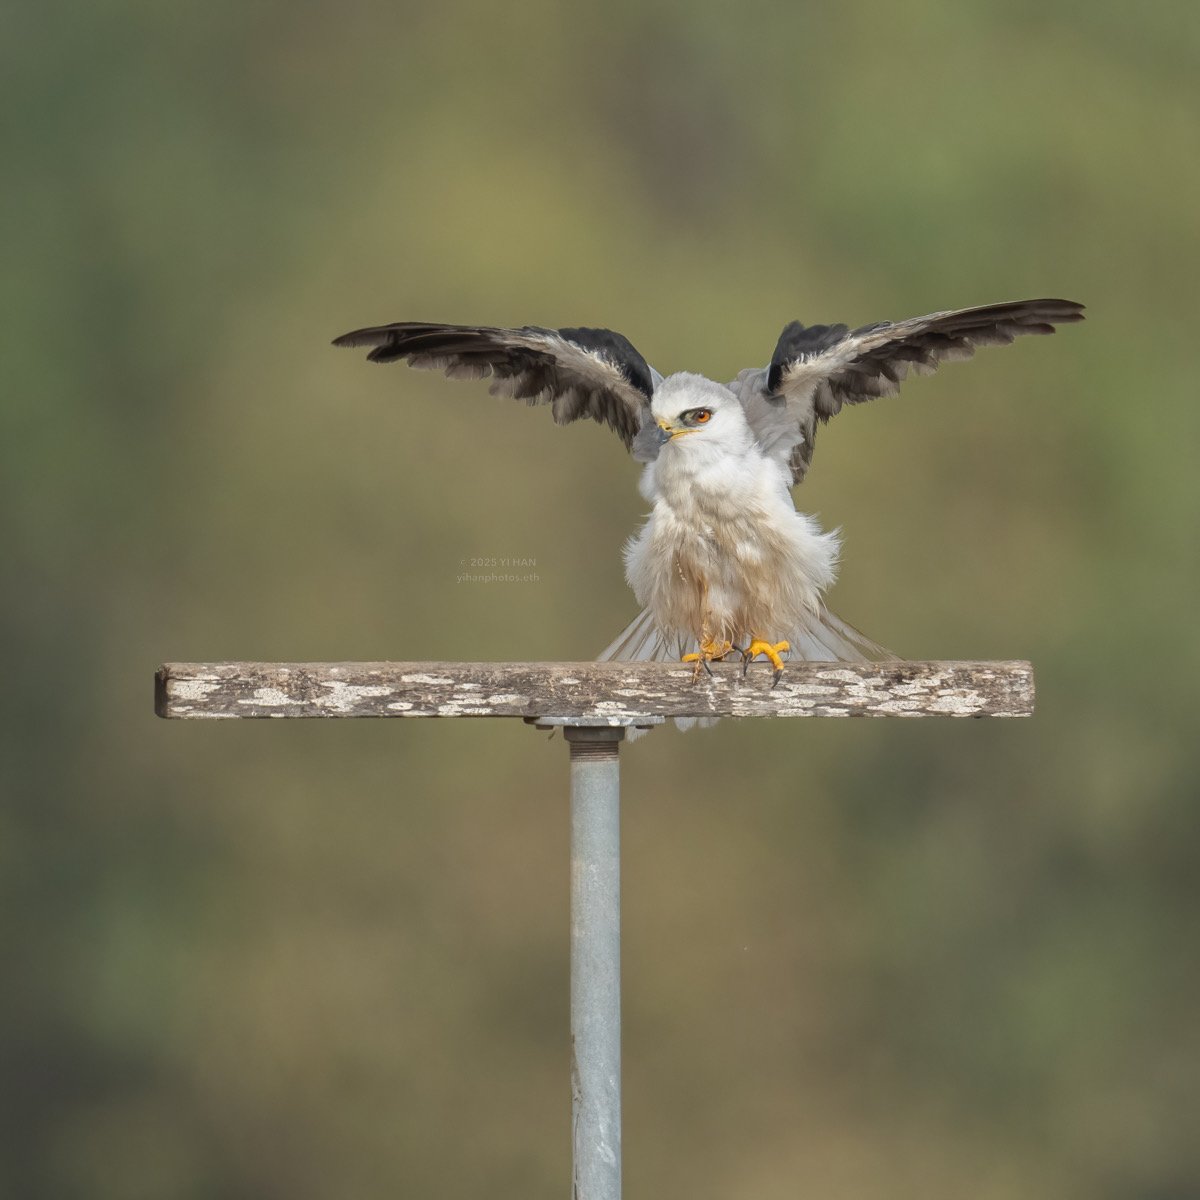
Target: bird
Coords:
[(724, 563)]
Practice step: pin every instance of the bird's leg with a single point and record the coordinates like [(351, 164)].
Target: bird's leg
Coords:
[(711, 650), (770, 650)]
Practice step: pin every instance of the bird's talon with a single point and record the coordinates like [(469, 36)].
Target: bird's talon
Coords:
[(709, 652), (770, 651)]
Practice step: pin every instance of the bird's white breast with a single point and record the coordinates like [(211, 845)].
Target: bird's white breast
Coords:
[(724, 553)]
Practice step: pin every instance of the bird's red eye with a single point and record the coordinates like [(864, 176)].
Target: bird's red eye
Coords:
[(701, 415)]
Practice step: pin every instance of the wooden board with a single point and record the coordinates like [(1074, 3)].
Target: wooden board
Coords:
[(616, 693)]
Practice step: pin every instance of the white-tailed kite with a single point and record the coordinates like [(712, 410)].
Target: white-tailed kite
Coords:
[(724, 562)]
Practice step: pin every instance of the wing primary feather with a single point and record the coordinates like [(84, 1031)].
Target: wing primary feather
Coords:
[(582, 372)]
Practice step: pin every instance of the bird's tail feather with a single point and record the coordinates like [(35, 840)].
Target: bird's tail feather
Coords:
[(642, 641), (830, 639), (827, 638)]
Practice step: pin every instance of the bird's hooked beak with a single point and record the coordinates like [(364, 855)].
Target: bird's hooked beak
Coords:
[(653, 435)]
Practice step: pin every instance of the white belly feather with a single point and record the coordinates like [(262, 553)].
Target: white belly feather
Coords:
[(724, 554)]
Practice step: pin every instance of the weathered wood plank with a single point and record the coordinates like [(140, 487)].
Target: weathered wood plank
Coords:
[(613, 693)]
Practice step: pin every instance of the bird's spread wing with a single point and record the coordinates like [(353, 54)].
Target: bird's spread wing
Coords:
[(815, 370), (579, 372)]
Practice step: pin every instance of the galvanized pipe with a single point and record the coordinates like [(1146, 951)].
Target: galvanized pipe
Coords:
[(596, 961)]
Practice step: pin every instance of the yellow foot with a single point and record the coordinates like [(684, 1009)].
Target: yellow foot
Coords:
[(710, 651), (767, 649)]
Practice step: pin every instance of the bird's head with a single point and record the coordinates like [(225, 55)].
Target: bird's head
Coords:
[(690, 412)]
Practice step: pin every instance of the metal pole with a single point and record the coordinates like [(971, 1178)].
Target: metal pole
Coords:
[(596, 961)]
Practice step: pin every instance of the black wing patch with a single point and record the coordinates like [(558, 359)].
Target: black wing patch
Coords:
[(617, 348), (798, 342)]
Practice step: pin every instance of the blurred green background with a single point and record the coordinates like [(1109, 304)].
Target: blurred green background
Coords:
[(863, 959)]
